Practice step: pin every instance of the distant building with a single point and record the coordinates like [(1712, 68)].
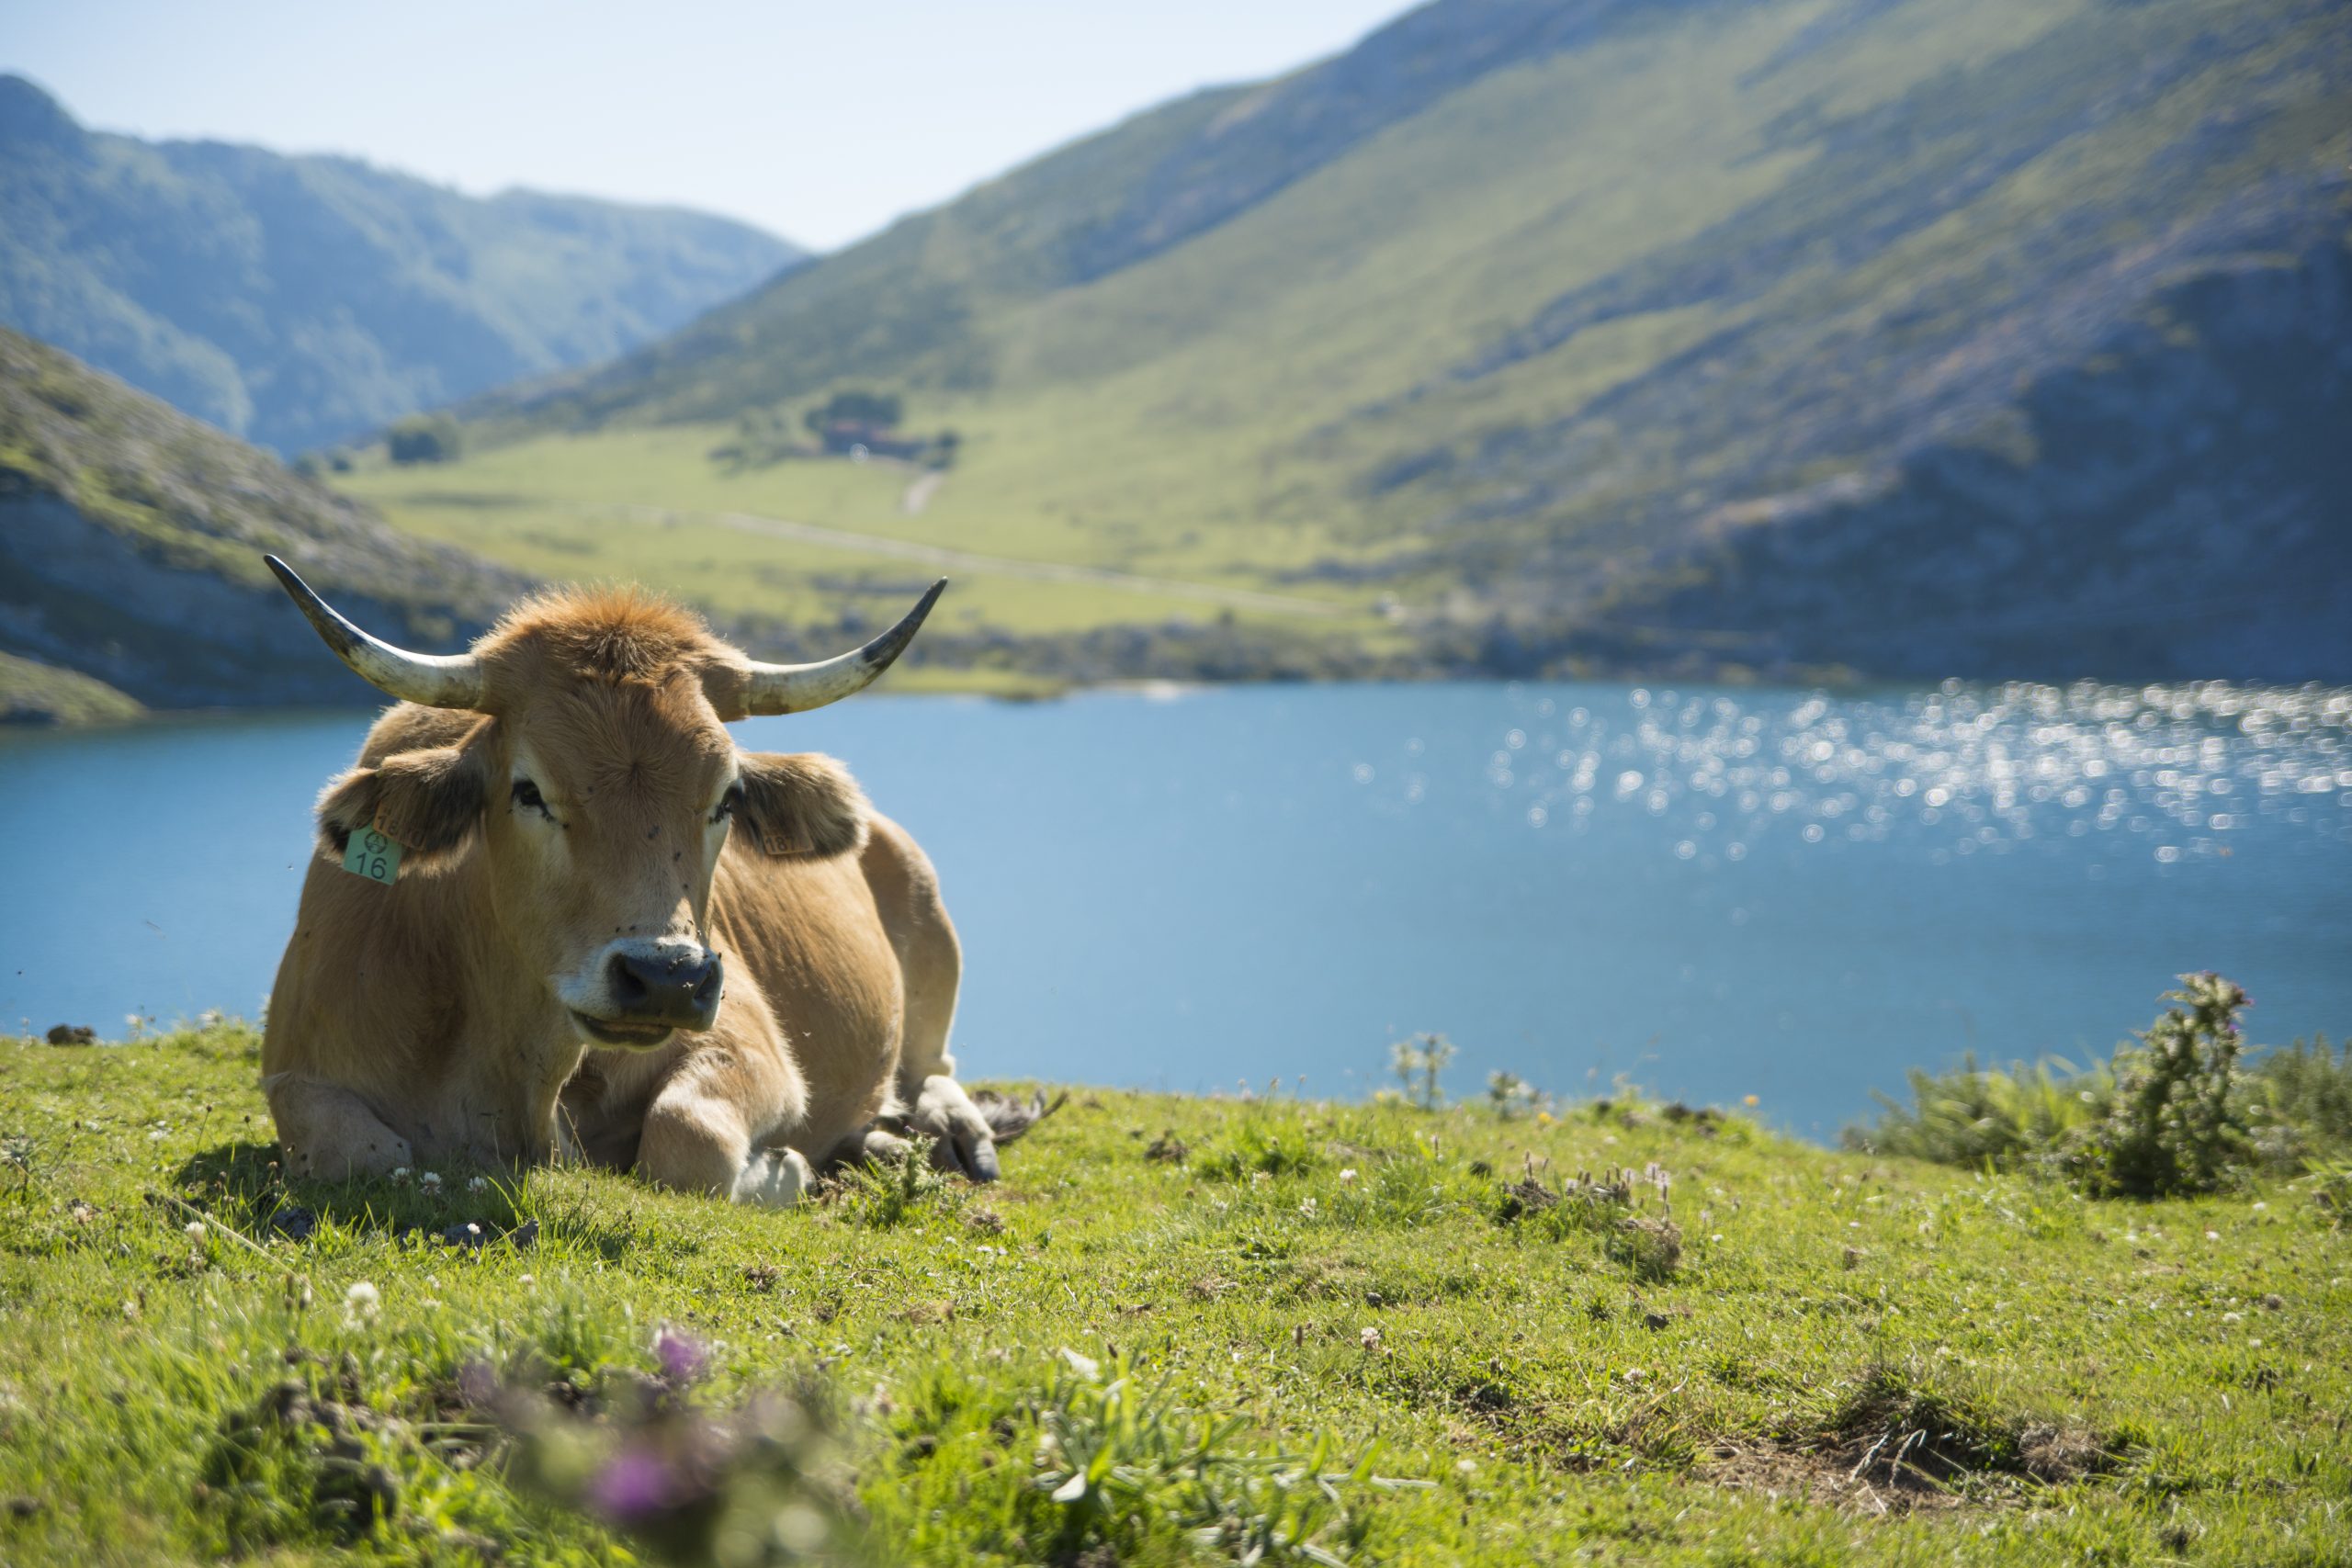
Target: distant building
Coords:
[(857, 437)]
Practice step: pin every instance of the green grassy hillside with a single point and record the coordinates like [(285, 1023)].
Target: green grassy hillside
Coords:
[(1498, 324), (1182, 1331), (33, 693), (132, 539), (296, 301)]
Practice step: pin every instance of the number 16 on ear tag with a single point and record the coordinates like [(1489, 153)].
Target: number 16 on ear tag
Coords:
[(373, 856)]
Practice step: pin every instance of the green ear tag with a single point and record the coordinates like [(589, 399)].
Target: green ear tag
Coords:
[(373, 856)]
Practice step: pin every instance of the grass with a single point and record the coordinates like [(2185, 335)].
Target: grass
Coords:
[(34, 693), (1182, 1330)]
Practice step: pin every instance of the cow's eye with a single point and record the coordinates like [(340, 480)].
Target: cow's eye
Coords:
[(729, 803), (527, 798)]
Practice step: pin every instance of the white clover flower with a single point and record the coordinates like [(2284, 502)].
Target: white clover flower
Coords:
[(361, 1304), (1307, 1207), (1369, 1338), (429, 1182), (479, 1184), (196, 1231), (1348, 1176), (400, 1175)]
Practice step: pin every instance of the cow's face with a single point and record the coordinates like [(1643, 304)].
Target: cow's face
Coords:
[(602, 828), (597, 812), (576, 758)]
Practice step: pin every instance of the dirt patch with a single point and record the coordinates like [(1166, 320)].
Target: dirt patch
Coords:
[(1893, 1448)]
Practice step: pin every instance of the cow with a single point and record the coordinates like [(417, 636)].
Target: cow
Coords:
[(581, 922)]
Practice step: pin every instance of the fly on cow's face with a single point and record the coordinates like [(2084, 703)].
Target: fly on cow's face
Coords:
[(729, 803)]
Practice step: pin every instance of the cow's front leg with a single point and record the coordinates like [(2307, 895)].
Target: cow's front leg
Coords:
[(696, 1141), (327, 1131), (961, 1139), (715, 1126)]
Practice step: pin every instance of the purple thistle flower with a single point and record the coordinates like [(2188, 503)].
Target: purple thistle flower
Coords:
[(682, 1358), (637, 1485)]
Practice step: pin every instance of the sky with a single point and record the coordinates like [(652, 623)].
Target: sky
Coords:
[(819, 122)]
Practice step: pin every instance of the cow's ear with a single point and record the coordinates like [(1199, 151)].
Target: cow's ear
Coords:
[(801, 803), (428, 801)]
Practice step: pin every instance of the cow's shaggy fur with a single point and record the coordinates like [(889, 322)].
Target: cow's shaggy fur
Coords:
[(598, 806)]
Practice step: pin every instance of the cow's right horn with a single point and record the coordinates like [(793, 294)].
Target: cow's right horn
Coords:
[(434, 680)]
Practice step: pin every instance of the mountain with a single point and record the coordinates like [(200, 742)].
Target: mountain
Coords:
[(1983, 337), (297, 301), (131, 546)]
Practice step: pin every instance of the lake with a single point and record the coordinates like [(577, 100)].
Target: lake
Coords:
[(1713, 892)]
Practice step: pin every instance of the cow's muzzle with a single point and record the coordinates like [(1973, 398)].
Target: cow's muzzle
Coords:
[(651, 991)]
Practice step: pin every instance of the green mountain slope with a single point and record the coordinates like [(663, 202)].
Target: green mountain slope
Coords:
[(296, 301), (1559, 327), (131, 546)]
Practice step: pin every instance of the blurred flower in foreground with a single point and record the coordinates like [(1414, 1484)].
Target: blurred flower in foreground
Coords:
[(762, 1485)]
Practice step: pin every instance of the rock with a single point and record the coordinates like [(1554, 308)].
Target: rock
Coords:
[(72, 1034)]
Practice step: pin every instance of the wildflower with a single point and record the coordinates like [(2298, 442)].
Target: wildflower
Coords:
[(195, 1231), (1544, 1118), (1348, 1176), (1466, 1467), (637, 1485), (1260, 1177), (1751, 1101), (479, 1184), (1307, 1207), (682, 1358), (1369, 1338), (429, 1182), (361, 1304), (400, 1175)]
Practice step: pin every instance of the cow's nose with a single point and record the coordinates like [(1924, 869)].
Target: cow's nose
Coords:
[(677, 986)]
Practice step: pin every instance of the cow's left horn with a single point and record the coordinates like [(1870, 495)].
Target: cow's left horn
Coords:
[(797, 688), (434, 680)]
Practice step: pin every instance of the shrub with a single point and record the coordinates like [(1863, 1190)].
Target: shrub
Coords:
[(2179, 1113), (2301, 1102), (1988, 1116), (424, 438), (2176, 1124)]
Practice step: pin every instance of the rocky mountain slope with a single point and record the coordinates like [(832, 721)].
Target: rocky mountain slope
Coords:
[(300, 300), (1910, 337), (131, 546)]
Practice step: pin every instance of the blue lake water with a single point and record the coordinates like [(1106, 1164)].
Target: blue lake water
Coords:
[(1713, 893)]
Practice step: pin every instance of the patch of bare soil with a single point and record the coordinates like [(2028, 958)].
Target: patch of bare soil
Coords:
[(1892, 1450)]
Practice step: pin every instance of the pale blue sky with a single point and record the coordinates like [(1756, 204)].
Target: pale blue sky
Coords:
[(819, 121)]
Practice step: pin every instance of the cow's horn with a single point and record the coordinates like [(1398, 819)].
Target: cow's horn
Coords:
[(797, 688), (435, 680)]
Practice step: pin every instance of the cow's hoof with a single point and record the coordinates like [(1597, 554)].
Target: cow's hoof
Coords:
[(774, 1178)]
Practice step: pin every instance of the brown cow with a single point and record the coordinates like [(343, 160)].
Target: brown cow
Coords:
[(607, 931)]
